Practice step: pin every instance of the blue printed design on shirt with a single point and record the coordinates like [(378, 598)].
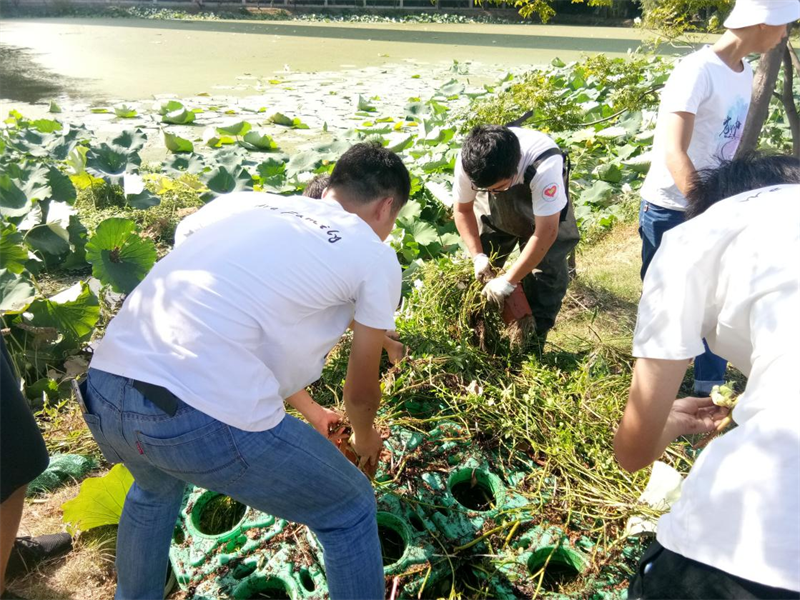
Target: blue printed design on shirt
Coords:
[(732, 127)]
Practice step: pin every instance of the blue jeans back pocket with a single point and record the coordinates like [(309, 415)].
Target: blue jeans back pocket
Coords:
[(206, 456)]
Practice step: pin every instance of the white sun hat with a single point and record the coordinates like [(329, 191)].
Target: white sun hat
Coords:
[(767, 12)]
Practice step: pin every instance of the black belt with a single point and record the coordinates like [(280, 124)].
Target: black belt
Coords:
[(160, 396)]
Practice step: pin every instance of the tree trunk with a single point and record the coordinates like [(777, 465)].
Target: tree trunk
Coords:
[(794, 58), (787, 97), (763, 86)]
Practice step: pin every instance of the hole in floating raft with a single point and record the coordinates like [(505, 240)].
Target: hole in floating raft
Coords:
[(465, 582), (265, 589), (178, 537), (218, 514), (417, 523), (307, 581), (473, 489), (393, 536), (564, 566), (243, 570)]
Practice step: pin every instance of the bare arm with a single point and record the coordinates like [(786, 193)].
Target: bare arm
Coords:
[(654, 418), (391, 343), (321, 419), (544, 234), (467, 226), (679, 129), (362, 392)]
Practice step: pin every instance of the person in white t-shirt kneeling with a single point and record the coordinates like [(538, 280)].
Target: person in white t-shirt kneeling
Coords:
[(729, 276), (510, 190), (188, 385), (701, 119)]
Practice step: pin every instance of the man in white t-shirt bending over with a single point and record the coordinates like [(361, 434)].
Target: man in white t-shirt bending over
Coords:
[(188, 384), (730, 276), (702, 115), (525, 203)]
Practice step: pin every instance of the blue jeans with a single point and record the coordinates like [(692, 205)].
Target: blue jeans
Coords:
[(289, 471), (654, 222)]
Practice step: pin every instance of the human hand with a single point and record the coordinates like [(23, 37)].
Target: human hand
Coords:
[(367, 447), (483, 268), (497, 290), (325, 421), (395, 349), (689, 416)]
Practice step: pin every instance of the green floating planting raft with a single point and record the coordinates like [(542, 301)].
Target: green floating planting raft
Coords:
[(451, 521)]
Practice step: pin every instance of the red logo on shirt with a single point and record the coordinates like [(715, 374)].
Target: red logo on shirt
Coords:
[(550, 192)]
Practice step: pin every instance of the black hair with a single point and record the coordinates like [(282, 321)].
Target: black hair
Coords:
[(368, 172), (731, 177), (490, 154), (316, 186)]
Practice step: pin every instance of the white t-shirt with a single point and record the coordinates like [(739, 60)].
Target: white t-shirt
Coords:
[(242, 314), (719, 98), (547, 188), (223, 207), (732, 276)]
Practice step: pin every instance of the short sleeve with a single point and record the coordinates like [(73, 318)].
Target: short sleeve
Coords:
[(378, 294), (677, 301), (462, 186), (686, 88), (547, 188)]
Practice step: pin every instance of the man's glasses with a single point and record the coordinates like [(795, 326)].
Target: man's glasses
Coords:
[(491, 190)]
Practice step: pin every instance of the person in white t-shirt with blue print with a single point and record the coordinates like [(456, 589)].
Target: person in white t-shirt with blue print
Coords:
[(189, 382), (729, 276), (702, 115)]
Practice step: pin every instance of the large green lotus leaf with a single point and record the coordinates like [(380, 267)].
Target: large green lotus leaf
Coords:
[(13, 201), (110, 162), (77, 240), (609, 172), (16, 292), (424, 233), (73, 313), (294, 123), (34, 180), (235, 129), (46, 125), (185, 163), (259, 141), (303, 162), (417, 109), (223, 181), (364, 104), (143, 200), (631, 122), (598, 194), (119, 256), (451, 88), (131, 140), (409, 213), (176, 144), (170, 106), (272, 174), (48, 238), (13, 254), (99, 501), (125, 111), (61, 187), (181, 116)]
